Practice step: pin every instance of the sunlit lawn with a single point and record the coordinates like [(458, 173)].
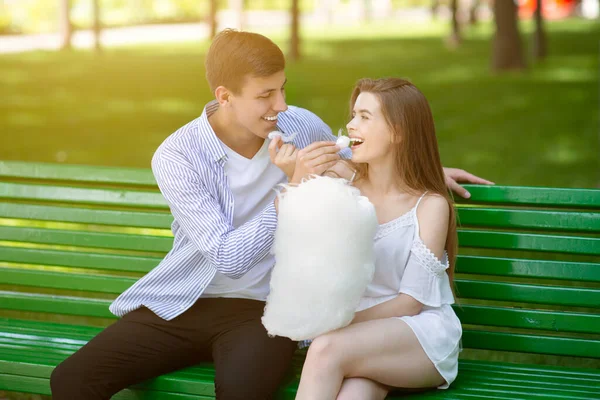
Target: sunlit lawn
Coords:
[(534, 128)]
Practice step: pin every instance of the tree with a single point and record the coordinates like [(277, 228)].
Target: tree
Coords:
[(455, 37), (212, 18), (475, 4), (539, 36), (97, 24), (65, 24), (507, 49), (435, 8), (294, 34)]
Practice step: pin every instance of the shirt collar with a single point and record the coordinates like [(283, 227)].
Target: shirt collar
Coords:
[(209, 142)]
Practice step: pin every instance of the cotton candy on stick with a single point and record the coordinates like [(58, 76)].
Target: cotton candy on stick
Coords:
[(324, 258), (342, 141)]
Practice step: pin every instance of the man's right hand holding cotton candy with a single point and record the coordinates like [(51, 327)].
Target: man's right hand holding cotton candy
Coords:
[(298, 164)]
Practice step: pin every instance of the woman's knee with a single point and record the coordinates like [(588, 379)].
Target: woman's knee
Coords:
[(325, 351)]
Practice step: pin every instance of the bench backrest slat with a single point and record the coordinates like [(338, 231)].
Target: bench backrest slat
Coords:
[(527, 293), (81, 215), (518, 267), (81, 195), (78, 259), (115, 241), (557, 321), (76, 173), (55, 304)]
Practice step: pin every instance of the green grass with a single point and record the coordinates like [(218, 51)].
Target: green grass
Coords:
[(539, 127)]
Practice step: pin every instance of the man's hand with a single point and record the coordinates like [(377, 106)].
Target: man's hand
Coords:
[(455, 175), (315, 158), (285, 157)]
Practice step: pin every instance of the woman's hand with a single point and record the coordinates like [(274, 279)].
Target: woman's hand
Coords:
[(285, 157)]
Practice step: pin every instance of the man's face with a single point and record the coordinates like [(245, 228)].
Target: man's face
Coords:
[(259, 102)]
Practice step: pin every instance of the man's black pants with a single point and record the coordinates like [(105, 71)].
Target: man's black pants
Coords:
[(249, 364)]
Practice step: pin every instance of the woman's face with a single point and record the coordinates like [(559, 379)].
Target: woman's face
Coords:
[(368, 124)]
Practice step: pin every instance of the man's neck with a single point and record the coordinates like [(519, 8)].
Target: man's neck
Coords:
[(238, 139)]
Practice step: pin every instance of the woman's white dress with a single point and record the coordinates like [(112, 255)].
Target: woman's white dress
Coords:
[(404, 264)]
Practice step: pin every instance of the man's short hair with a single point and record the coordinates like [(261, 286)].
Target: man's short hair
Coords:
[(233, 55)]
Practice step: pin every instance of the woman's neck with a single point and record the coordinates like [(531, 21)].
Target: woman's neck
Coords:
[(382, 178)]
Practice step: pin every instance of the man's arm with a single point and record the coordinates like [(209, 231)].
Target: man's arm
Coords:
[(233, 252), (455, 175)]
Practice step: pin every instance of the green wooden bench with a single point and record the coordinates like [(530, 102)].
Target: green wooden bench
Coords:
[(528, 278)]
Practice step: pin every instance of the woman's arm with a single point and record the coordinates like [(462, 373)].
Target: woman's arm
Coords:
[(432, 214), (400, 306)]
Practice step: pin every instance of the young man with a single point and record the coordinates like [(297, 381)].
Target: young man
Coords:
[(205, 300)]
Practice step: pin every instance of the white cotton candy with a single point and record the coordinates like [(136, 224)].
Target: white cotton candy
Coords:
[(343, 142), (285, 139), (274, 134), (324, 258)]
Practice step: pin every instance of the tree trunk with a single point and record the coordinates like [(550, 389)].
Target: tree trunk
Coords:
[(539, 36), (295, 35), (507, 49), (212, 18), (435, 7), (473, 20), (97, 28), (455, 37), (65, 25)]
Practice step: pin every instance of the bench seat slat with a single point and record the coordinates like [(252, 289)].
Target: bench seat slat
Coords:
[(80, 195), (537, 344), (77, 173), (42, 386), (515, 267), (474, 377), (470, 382), (135, 219), (529, 219), (528, 293), (554, 321), (78, 259), (527, 241), (44, 353), (116, 241)]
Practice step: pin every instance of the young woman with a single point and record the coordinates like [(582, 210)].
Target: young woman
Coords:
[(405, 333)]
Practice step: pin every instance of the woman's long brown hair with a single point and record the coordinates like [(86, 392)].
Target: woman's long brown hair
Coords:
[(416, 155)]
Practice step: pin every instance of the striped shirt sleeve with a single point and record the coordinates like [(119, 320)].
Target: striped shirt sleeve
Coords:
[(233, 252)]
